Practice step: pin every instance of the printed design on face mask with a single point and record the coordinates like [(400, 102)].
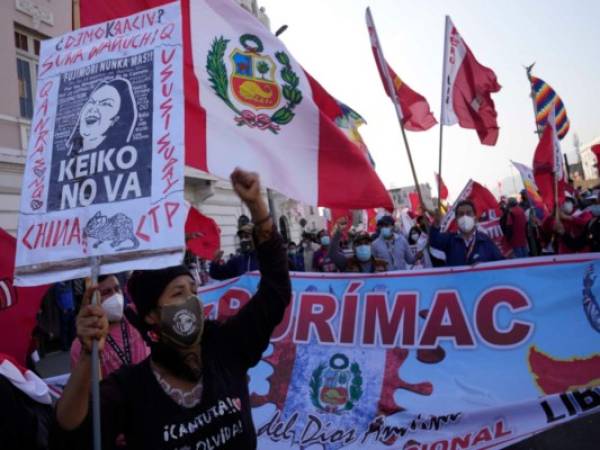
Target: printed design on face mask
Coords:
[(253, 83), (184, 323)]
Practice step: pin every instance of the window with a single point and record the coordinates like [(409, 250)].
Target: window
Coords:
[(27, 46)]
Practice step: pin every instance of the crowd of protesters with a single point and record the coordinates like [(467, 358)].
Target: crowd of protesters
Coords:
[(422, 241), (527, 231)]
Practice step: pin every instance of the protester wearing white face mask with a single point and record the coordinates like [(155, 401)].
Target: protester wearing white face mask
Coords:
[(124, 345), (418, 241), (392, 247), (466, 246), (362, 261)]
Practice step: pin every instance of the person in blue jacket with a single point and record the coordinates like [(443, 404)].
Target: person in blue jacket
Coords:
[(466, 246), (245, 261)]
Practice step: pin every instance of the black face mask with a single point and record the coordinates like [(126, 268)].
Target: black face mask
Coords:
[(246, 245), (180, 332)]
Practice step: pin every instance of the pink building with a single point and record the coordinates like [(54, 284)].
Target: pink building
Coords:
[(23, 25)]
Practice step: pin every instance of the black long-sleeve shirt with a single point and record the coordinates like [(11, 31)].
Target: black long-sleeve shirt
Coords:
[(133, 403)]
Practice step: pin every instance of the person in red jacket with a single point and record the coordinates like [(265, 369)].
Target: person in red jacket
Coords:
[(516, 229)]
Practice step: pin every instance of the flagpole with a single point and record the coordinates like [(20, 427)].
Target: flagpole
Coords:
[(96, 427), (390, 89), (95, 271), (442, 112), (538, 131)]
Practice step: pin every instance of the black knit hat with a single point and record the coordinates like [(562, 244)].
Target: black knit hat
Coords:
[(146, 286)]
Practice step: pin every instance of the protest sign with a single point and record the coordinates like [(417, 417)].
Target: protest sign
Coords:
[(458, 358), (104, 172)]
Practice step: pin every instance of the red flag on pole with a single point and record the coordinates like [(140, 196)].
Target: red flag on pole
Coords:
[(415, 111), (18, 305), (467, 89), (547, 165), (442, 186), (482, 198), (415, 203)]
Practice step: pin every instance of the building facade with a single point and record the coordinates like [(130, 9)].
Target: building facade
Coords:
[(23, 25), (588, 160)]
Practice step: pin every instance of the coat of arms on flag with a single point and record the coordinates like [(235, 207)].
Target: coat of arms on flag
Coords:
[(253, 82)]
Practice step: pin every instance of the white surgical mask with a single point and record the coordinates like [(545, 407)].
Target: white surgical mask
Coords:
[(466, 224), (113, 307), (414, 236)]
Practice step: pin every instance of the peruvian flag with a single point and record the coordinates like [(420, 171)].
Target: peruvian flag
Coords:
[(442, 186), (413, 107), (467, 89), (548, 168), (250, 104)]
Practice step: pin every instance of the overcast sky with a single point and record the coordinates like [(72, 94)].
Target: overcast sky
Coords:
[(329, 38)]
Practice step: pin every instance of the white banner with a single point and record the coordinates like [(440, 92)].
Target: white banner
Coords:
[(104, 172)]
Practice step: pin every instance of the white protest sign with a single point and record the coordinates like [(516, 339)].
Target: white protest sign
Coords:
[(104, 172)]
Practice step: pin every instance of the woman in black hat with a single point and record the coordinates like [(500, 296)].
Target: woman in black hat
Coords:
[(192, 392)]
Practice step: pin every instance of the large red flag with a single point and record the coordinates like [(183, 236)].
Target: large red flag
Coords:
[(414, 109), (18, 305), (467, 89), (280, 123)]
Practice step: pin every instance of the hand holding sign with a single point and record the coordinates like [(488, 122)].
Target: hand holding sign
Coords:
[(92, 323)]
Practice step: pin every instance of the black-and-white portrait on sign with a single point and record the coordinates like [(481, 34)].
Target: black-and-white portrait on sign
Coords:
[(109, 114), (102, 149)]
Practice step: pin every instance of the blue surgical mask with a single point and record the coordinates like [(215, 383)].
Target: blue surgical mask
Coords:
[(363, 252), (325, 240), (386, 232), (595, 210)]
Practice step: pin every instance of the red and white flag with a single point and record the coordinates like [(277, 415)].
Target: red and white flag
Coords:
[(412, 107), (467, 89), (18, 305), (24, 379), (250, 104), (484, 201)]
